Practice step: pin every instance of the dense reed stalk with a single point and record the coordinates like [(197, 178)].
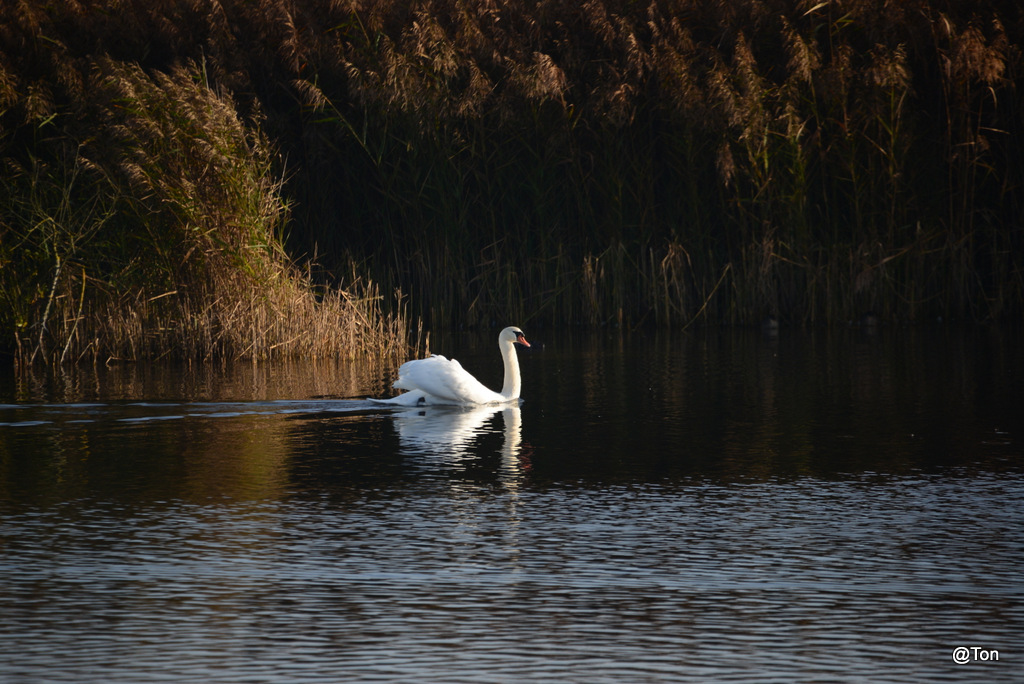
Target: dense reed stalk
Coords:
[(531, 161), (161, 235), (607, 162)]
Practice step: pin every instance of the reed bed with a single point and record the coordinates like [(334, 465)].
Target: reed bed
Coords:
[(160, 236), (600, 163), (612, 162)]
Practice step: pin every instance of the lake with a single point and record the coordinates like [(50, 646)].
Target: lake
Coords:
[(714, 505)]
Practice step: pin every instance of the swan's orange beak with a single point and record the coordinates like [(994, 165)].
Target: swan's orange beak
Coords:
[(521, 339)]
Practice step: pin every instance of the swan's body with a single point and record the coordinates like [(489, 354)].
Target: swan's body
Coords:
[(437, 380)]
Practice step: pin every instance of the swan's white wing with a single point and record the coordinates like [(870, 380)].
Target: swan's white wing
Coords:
[(444, 380)]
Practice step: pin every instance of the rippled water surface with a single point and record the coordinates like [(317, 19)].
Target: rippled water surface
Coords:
[(841, 506)]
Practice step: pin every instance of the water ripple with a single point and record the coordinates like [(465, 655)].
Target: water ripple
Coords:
[(804, 581), (660, 508)]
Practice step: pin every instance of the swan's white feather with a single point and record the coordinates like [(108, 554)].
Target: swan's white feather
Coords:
[(444, 380), (438, 380)]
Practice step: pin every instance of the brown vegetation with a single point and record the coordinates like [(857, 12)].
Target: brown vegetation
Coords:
[(599, 162), (158, 232)]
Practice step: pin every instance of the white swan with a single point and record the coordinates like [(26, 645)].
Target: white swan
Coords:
[(437, 380)]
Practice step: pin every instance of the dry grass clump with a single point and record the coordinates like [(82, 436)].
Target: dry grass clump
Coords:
[(166, 240)]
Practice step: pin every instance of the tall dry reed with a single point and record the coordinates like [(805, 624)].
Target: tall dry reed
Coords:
[(166, 240), (597, 163)]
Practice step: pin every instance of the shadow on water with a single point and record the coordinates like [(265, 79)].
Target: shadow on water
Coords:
[(744, 406), (729, 406)]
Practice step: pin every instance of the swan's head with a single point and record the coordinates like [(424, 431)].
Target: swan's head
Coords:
[(514, 335)]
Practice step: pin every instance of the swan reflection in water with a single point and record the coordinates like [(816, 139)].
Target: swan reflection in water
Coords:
[(452, 434)]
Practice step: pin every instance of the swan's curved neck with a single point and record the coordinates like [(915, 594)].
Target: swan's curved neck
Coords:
[(513, 383)]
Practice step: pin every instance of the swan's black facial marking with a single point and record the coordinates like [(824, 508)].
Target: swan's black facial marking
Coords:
[(521, 338)]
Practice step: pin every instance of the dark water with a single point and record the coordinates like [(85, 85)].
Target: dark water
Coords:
[(841, 506)]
